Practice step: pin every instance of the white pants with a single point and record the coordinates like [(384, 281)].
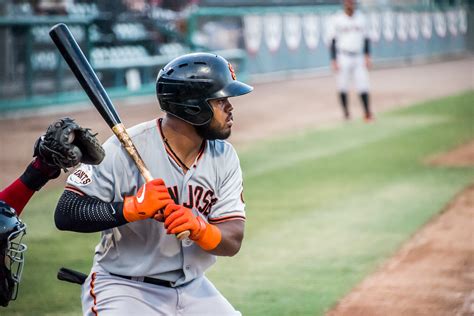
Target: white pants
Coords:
[(107, 295), (352, 66)]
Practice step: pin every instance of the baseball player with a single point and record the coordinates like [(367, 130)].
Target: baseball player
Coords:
[(140, 267), (65, 144), (350, 55)]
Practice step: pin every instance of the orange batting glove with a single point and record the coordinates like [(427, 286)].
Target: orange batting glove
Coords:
[(152, 197), (179, 219)]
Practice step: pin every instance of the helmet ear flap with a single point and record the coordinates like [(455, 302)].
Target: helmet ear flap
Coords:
[(189, 111), (192, 109)]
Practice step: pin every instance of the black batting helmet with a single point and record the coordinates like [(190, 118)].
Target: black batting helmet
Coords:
[(12, 252), (186, 84)]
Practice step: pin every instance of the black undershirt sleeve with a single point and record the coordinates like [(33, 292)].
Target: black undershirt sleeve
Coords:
[(86, 214), (366, 46), (333, 49)]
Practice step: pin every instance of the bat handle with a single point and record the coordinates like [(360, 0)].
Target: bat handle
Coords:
[(181, 236), (147, 175)]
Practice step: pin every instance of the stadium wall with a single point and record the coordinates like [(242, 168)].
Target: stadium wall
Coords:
[(262, 42), (284, 40)]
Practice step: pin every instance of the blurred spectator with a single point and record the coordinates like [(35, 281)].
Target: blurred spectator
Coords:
[(52, 7)]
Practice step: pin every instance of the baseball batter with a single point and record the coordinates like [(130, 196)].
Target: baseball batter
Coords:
[(140, 267), (350, 55)]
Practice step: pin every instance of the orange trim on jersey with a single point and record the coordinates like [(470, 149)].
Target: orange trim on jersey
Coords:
[(92, 293), (201, 152), (74, 189), (226, 219)]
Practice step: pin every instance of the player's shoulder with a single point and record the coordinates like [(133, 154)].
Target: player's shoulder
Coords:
[(221, 148), (337, 15), (144, 128), (140, 130)]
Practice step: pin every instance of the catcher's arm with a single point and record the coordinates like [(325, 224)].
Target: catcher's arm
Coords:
[(65, 144)]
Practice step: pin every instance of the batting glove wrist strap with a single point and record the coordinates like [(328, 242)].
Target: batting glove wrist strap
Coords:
[(179, 219), (210, 237)]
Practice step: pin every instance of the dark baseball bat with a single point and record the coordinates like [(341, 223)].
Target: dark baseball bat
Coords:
[(71, 276), (80, 66)]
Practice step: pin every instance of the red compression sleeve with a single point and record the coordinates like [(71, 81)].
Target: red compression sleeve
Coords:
[(16, 195)]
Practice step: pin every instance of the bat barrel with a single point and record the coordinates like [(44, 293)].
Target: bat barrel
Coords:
[(84, 73)]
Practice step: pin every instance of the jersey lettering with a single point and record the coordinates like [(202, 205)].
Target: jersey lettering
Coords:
[(190, 202), (208, 200), (198, 198), (81, 176), (350, 28), (174, 193)]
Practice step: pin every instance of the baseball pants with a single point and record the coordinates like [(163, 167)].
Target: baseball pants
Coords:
[(352, 66), (107, 295)]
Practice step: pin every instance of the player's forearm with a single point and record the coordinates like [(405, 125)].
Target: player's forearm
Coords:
[(85, 214), (17, 195), (367, 46), (333, 49), (232, 234), (20, 191)]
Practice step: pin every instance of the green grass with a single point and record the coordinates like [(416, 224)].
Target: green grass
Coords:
[(325, 208)]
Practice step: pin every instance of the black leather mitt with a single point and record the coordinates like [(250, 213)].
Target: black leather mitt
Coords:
[(65, 144)]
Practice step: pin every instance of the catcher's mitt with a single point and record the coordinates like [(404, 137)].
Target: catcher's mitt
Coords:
[(66, 144)]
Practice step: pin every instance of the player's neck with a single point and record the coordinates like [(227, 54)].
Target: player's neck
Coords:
[(182, 138)]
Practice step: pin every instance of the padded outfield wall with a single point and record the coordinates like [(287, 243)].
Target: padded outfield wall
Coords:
[(293, 39)]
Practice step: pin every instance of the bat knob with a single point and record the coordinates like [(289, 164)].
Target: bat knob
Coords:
[(183, 235)]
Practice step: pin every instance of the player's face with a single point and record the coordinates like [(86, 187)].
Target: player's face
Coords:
[(220, 125), (349, 6)]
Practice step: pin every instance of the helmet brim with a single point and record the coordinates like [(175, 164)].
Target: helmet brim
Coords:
[(233, 89)]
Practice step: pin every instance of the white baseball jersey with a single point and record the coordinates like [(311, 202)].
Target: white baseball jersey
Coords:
[(349, 32), (212, 188)]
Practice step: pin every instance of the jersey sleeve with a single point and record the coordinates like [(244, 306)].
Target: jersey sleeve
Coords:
[(230, 204), (332, 26), (365, 26), (107, 181)]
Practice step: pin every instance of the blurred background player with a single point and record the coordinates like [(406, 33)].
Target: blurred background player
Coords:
[(350, 55), (140, 267), (65, 144)]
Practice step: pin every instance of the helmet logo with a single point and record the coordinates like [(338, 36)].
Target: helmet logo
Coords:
[(232, 72)]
